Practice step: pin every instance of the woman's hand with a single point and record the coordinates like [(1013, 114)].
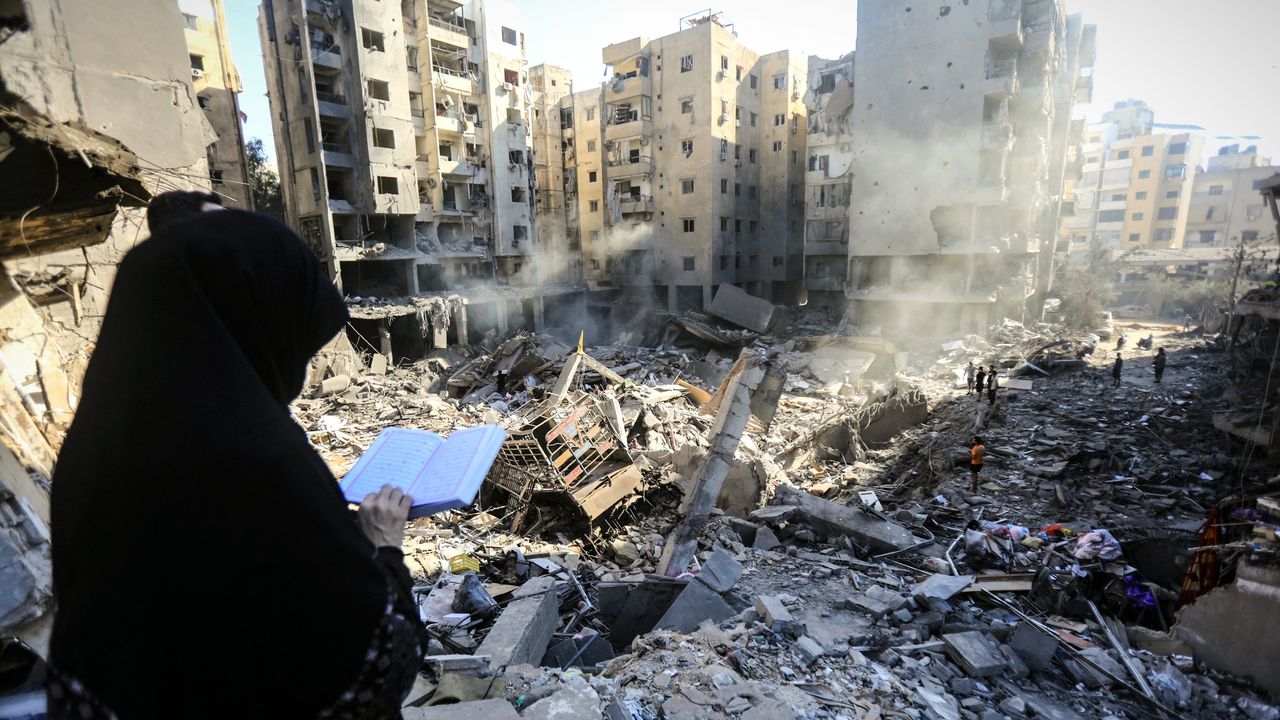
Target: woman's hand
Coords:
[(382, 516)]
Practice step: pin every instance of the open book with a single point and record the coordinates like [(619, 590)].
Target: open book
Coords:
[(438, 474)]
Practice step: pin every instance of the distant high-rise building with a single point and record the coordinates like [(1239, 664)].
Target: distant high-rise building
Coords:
[(961, 128), (830, 100), (1226, 207), (217, 84), (403, 132)]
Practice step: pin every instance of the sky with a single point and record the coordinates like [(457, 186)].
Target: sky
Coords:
[(1212, 63)]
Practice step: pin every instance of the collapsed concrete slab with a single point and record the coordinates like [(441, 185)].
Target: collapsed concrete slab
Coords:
[(976, 652), (741, 308), (863, 528), (695, 604), (495, 709), (1222, 626), (524, 629)]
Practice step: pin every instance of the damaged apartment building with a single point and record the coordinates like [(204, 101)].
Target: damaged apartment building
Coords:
[(962, 122), (217, 84), (827, 181), (685, 171), (93, 124), (405, 143)]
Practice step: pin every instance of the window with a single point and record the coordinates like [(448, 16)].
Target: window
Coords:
[(780, 81), (1209, 214), (1167, 213), (1148, 150), (687, 223), (372, 40), (737, 189), (777, 146), (1253, 212), (724, 223), (686, 63), (189, 21), (197, 62), (519, 232), (777, 261), (686, 186), (1141, 195), (1123, 155), (751, 226), (591, 113), (724, 262), (379, 90), (724, 63), (688, 263), (1171, 194), (1172, 172), (591, 146), (593, 206), (1177, 148), (795, 156), (737, 72), (686, 105), (737, 262), (686, 147), (779, 119), (388, 185), (1135, 237), (315, 183), (724, 186), (1215, 189), (724, 149), (737, 227), (754, 81), (737, 151), (311, 137), (1117, 196), (508, 36), (519, 194), (511, 77), (751, 191), (1111, 216), (595, 236), (753, 119), (1137, 216), (411, 58), (1144, 174), (384, 138), (1248, 236), (1208, 236), (751, 155), (592, 176), (1163, 235)]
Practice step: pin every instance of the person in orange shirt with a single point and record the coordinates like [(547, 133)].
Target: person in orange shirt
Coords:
[(976, 454)]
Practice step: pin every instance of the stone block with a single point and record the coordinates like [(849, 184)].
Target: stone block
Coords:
[(776, 615), (524, 629), (721, 571), (975, 652), (495, 709), (692, 606), (809, 649), (1034, 647), (765, 539)]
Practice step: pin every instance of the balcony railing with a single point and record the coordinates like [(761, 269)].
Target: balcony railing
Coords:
[(443, 25), (330, 98), (319, 47), (1001, 68), (418, 112), (615, 162), (448, 71), (335, 147)]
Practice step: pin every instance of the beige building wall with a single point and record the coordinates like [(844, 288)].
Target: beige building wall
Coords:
[(561, 246), (217, 84), (827, 181), (1226, 207)]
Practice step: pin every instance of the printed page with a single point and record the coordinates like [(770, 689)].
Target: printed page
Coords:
[(453, 475), (396, 457)]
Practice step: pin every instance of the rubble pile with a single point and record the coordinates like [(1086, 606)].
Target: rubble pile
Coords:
[(730, 523)]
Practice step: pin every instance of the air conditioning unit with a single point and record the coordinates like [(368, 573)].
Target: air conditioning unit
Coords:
[(197, 73)]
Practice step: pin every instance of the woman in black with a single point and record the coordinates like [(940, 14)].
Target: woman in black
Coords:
[(205, 562)]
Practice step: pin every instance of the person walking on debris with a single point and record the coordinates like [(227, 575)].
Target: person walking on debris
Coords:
[(1115, 371), (968, 377), (287, 605), (1120, 343), (1158, 364), (1186, 324), (976, 453), (981, 381), (991, 386)]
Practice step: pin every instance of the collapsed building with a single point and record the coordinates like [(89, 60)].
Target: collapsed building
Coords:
[(961, 128), (827, 182)]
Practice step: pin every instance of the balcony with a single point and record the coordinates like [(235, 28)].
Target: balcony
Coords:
[(458, 167), (825, 248), (824, 283), (997, 135), (623, 88), (446, 32), (638, 127), (624, 168), (1040, 40), (1001, 77), (1005, 25), (329, 55), (337, 154), (448, 123), (631, 205), (1067, 209), (451, 79), (331, 104), (422, 167)]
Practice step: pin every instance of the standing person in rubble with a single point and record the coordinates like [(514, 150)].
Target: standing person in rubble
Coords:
[(991, 386), (977, 452), (1120, 343), (1158, 364), (968, 377), (205, 563), (982, 379), (1115, 371)]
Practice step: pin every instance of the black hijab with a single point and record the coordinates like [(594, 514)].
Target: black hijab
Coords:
[(205, 564)]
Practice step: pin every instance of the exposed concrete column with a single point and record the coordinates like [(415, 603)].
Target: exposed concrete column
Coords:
[(539, 318), (460, 322), (726, 432), (384, 338), (411, 277), (706, 296)]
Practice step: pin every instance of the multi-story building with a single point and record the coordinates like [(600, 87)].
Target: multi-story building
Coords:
[(1226, 207), (560, 251), (827, 182), (960, 128), (1134, 184), (686, 170), (405, 148), (217, 85)]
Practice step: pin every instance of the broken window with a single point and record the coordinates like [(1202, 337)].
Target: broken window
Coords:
[(508, 35), (190, 21), (777, 261), (753, 82), (372, 40), (686, 105), (382, 138), (686, 186), (724, 224), (379, 90), (724, 149), (780, 81), (511, 77), (688, 263), (1167, 213), (779, 119), (518, 194), (388, 185), (687, 223), (686, 63), (686, 147), (777, 146), (197, 65)]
